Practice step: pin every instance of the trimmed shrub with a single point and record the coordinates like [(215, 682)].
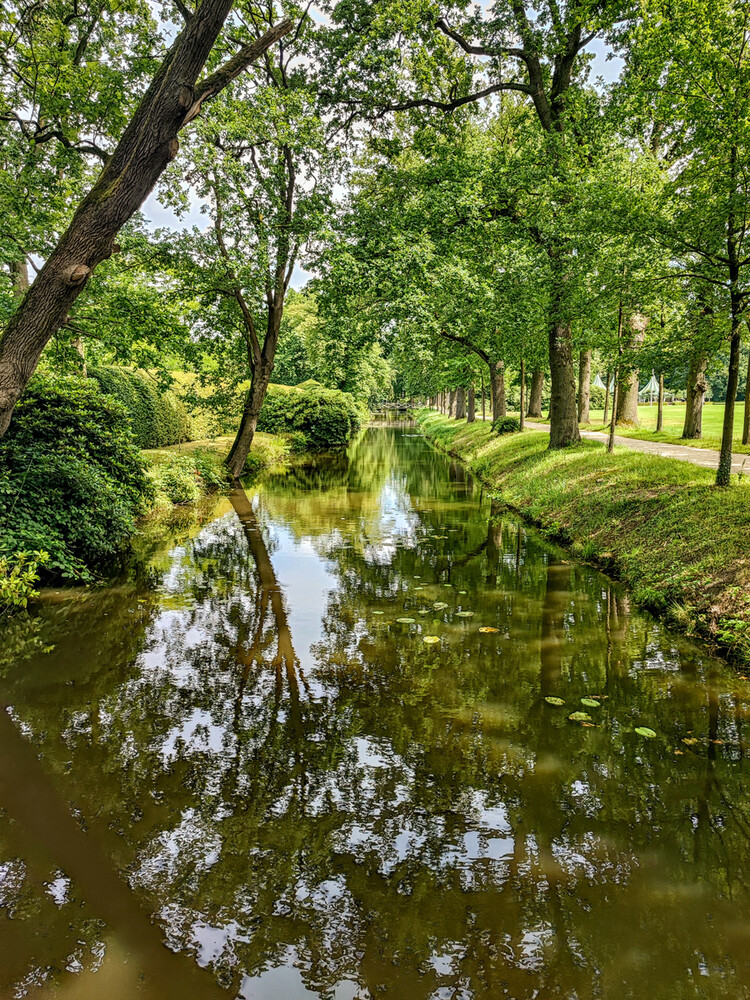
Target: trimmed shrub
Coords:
[(182, 479), (506, 425), (328, 418), (157, 418), (71, 477), (596, 398)]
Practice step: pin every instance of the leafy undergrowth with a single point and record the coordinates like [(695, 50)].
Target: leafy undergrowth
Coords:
[(660, 525), (267, 450)]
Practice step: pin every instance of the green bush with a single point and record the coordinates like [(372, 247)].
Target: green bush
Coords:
[(596, 399), (182, 479), (328, 418), (506, 425), (18, 574), (71, 477), (157, 418)]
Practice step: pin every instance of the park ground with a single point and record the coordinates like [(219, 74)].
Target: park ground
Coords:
[(661, 526)]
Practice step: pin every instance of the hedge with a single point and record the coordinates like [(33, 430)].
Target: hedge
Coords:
[(328, 418), (157, 418), (72, 482)]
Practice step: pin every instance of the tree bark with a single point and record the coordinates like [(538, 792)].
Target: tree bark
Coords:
[(627, 400), (660, 407), (452, 403), (746, 422), (262, 366), (606, 399), (724, 472), (584, 387), (522, 392), (460, 403), (471, 409), (563, 412), (497, 389), (147, 146), (19, 276), (536, 393), (692, 428), (484, 411)]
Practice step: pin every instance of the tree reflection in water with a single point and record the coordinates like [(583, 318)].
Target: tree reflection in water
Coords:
[(379, 817)]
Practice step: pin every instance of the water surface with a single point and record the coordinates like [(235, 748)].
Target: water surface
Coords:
[(235, 774)]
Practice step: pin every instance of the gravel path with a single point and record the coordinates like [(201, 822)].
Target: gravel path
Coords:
[(705, 457)]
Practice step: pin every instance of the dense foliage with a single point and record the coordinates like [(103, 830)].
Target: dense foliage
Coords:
[(328, 418), (157, 417), (71, 479)]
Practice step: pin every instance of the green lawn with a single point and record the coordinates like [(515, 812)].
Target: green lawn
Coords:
[(678, 541), (674, 417)]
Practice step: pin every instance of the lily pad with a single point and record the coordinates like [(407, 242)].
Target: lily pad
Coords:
[(406, 621), (551, 700), (645, 731), (590, 703), (580, 717), (439, 606), (464, 614), (378, 612), (488, 628), (431, 640), (447, 584), (463, 591), (423, 612), (417, 576)]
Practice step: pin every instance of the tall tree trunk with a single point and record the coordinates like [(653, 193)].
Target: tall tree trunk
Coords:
[(724, 472), (452, 403), (497, 389), (460, 403), (627, 399), (471, 409), (584, 386), (660, 409), (746, 422), (613, 421), (147, 146), (696, 387), (606, 399), (522, 401), (536, 393), (484, 401), (563, 412)]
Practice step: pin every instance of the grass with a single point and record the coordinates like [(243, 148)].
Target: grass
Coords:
[(674, 417), (677, 541), (267, 449)]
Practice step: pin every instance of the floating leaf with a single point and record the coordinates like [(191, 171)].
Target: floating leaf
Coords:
[(406, 621), (690, 740), (464, 614), (590, 703), (488, 628), (580, 717), (423, 611), (431, 640), (378, 612), (645, 731), (680, 753), (551, 700), (419, 588), (463, 591), (447, 584), (439, 606), (417, 576)]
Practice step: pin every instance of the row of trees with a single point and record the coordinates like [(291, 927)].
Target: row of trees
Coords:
[(503, 212)]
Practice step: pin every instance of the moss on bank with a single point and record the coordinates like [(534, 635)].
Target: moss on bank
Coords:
[(660, 525)]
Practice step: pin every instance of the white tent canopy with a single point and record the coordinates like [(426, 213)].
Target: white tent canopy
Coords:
[(597, 383), (651, 388)]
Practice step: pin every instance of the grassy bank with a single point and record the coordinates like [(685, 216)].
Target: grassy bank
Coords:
[(660, 525)]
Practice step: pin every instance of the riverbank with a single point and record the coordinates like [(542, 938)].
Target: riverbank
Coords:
[(661, 526)]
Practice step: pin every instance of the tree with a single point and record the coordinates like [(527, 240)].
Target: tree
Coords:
[(148, 145)]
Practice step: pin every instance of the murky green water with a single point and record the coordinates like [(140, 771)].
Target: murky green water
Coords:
[(242, 755)]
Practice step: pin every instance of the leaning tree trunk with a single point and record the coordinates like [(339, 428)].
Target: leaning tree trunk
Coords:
[(627, 400), (262, 366), (536, 393), (584, 387), (147, 146), (696, 386), (460, 403), (497, 388), (563, 411)]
